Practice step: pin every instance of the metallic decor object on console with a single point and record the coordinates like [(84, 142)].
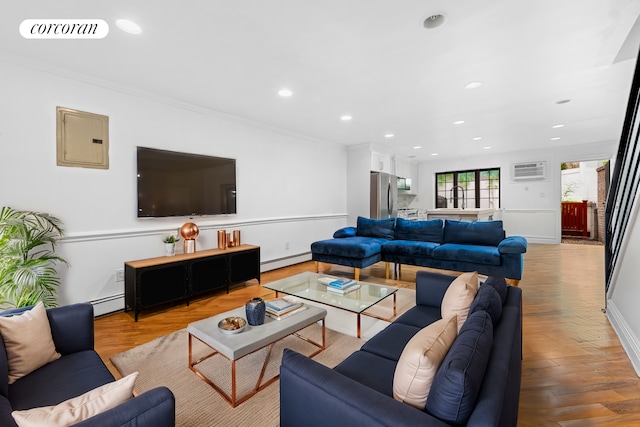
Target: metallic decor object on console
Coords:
[(189, 231)]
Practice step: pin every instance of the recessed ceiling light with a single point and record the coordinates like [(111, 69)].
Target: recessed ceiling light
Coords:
[(389, 135), (434, 154), (128, 26), (477, 138), (486, 148), (473, 85), (458, 122), (563, 101), (285, 93), (417, 147), (557, 126), (555, 138), (434, 21), (346, 118)]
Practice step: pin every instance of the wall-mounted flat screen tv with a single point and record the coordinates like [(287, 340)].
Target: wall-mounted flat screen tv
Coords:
[(182, 184)]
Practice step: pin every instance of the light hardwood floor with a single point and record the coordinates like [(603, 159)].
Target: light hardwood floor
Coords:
[(575, 372)]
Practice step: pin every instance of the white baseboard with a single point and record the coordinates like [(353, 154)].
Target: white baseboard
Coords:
[(544, 240), (284, 262), (108, 304), (628, 339)]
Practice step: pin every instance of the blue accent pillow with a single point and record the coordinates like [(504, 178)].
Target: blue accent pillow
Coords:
[(422, 231), (457, 383), (487, 299), (499, 284), (375, 227), (485, 233), (345, 232)]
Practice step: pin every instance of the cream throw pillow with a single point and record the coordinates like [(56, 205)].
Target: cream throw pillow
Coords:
[(459, 296), (420, 361), (79, 408), (27, 339)]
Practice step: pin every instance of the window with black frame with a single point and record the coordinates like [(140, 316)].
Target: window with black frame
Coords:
[(478, 188)]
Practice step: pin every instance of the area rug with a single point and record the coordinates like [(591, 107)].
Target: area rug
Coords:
[(164, 362)]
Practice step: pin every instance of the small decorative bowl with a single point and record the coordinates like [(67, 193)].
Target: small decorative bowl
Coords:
[(232, 325)]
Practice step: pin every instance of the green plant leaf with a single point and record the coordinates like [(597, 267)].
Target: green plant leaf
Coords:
[(28, 258)]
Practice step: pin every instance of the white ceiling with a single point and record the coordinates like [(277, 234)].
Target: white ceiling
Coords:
[(371, 59)]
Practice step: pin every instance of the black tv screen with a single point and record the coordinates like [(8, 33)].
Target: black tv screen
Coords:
[(182, 184)]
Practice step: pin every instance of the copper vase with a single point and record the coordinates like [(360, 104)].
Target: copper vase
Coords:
[(222, 239)]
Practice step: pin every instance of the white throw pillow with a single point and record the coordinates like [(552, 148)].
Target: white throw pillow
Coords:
[(28, 341), (420, 361), (459, 296), (79, 408)]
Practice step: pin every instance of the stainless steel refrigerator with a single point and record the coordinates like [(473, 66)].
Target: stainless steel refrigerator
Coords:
[(384, 196)]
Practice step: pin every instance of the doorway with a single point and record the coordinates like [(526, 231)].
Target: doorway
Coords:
[(584, 186)]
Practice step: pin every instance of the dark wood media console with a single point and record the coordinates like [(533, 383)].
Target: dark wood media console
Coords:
[(154, 281)]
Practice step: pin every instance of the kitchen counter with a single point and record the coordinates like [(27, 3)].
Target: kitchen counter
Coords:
[(470, 214), (408, 213)]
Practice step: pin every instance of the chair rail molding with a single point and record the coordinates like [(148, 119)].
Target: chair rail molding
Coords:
[(206, 224)]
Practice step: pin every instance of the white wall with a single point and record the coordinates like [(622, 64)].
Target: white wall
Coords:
[(624, 292), (583, 181), (528, 208), (285, 195), (359, 182)]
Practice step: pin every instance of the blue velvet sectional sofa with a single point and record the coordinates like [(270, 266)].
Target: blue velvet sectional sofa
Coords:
[(78, 371), (447, 245), (477, 383)]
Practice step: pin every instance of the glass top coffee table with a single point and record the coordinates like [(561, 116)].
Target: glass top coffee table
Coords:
[(306, 286)]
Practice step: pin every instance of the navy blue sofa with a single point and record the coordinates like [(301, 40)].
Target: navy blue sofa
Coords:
[(446, 245), (477, 384), (78, 371)]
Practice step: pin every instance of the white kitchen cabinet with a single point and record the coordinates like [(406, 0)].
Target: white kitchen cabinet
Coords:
[(409, 171), (382, 162), (402, 169)]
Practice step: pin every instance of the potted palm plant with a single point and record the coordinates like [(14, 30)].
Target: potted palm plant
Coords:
[(28, 258)]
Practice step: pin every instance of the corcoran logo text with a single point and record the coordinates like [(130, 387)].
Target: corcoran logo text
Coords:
[(64, 29)]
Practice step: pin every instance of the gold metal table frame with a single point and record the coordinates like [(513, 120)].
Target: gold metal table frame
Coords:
[(233, 399), (386, 319)]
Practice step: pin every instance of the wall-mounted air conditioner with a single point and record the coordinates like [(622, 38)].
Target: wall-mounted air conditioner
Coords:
[(529, 171)]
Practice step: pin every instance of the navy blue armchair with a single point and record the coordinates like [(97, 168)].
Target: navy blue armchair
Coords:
[(78, 371)]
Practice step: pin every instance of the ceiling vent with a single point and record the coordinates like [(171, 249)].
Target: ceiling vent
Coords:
[(529, 171)]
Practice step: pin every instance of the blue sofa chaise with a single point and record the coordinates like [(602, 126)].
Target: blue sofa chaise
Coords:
[(446, 245), (76, 372), (477, 383)]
